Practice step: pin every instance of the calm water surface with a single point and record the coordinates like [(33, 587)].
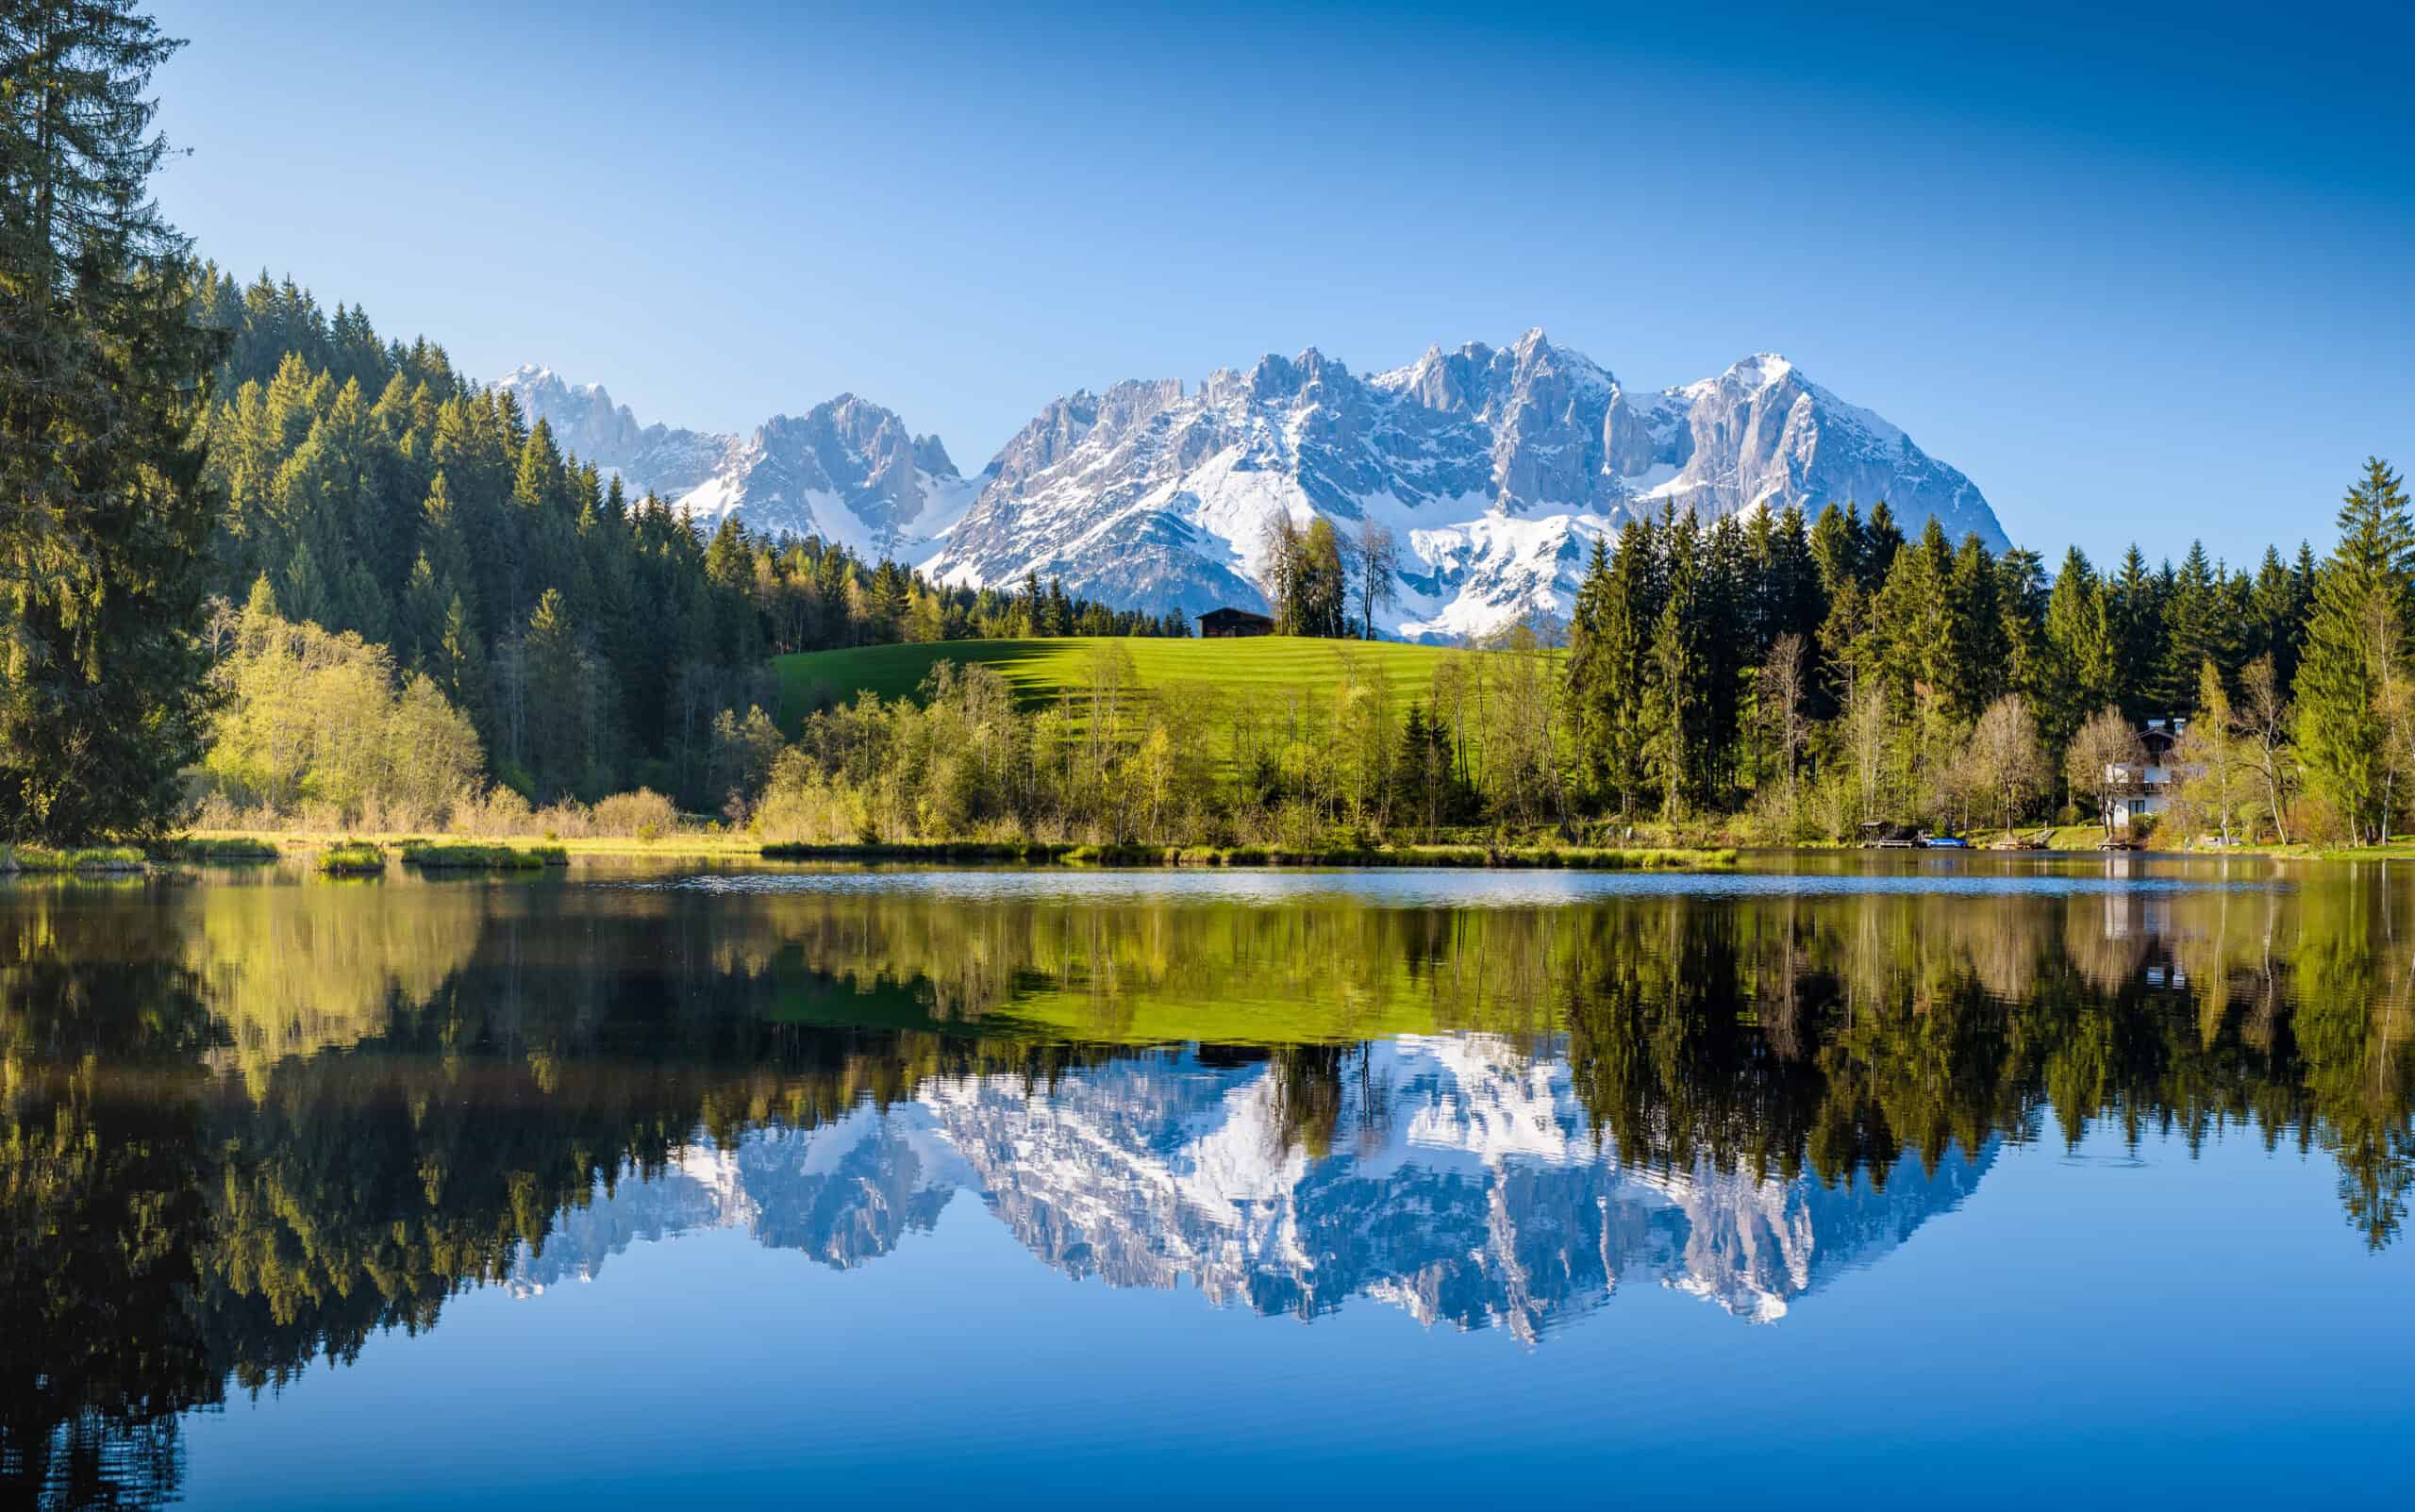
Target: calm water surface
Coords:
[(1854, 1183)]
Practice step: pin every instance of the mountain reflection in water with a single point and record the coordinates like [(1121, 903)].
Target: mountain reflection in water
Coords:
[(250, 1124), (1464, 1186)]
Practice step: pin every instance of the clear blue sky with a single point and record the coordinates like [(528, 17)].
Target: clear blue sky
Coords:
[(2150, 277)]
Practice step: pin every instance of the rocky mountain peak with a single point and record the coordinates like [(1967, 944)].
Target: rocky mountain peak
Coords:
[(847, 470), (1496, 467)]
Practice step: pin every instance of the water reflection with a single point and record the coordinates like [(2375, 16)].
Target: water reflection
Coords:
[(252, 1125), (1465, 1186)]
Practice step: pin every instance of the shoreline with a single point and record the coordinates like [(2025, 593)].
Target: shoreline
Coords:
[(262, 848)]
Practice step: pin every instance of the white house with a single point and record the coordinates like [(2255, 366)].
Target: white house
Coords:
[(2140, 790)]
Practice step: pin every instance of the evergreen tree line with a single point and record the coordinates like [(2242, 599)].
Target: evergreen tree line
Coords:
[(591, 638), (1828, 672), (104, 509)]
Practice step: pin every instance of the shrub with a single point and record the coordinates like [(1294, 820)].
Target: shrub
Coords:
[(498, 811), (353, 859), (2314, 822), (645, 813)]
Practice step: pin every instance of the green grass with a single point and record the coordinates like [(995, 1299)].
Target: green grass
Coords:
[(1038, 670), (89, 858), (353, 859), (216, 851), (683, 844), (466, 858), (1573, 858)]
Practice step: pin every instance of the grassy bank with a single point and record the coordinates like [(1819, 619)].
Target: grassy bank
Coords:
[(444, 856), (40, 859), (220, 850), (678, 846), (1570, 857)]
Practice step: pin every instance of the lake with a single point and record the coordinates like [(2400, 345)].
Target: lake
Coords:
[(1847, 1181)]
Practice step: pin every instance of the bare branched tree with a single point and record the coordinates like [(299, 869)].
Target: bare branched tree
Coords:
[(2005, 759), (2104, 760), (1784, 686), (1375, 557), (2262, 719)]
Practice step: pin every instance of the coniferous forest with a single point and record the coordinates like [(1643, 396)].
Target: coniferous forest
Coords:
[(591, 640)]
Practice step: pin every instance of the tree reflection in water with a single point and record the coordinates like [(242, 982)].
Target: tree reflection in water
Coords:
[(252, 1125)]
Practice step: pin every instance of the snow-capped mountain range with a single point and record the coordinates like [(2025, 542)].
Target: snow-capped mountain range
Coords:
[(846, 469), (1495, 469), (1464, 1186)]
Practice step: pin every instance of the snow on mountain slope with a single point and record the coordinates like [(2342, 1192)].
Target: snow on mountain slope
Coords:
[(846, 469), (1495, 468), (1459, 1179)]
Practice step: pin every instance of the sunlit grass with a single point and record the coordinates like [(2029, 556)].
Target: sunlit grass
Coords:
[(449, 855), (353, 859), (1038, 671), (87, 858)]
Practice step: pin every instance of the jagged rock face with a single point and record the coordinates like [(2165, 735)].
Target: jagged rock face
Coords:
[(1495, 468), (846, 469), (1463, 1182)]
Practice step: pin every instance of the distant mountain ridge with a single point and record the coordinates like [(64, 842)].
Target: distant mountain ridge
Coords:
[(846, 469), (1495, 467)]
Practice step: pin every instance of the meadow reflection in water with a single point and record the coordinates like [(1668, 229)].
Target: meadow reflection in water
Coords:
[(254, 1124)]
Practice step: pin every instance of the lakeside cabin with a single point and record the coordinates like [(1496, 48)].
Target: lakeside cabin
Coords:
[(1218, 625), (2144, 790)]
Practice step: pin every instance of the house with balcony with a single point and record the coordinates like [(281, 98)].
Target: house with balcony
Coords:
[(2143, 788)]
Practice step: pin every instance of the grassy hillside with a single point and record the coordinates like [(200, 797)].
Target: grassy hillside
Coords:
[(1038, 668)]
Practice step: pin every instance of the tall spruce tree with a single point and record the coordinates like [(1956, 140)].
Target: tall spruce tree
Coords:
[(1679, 715), (2355, 642), (1588, 682), (1630, 615), (2198, 628), (2080, 650), (104, 518), (2138, 633)]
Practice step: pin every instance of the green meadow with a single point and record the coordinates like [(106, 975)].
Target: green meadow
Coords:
[(1039, 670)]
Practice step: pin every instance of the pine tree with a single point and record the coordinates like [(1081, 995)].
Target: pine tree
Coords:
[(444, 544), (2137, 635), (561, 697), (1881, 540), (2356, 641), (1981, 667), (1588, 677), (458, 668), (420, 623), (1678, 711), (1630, 614), (1837, 547), (104, 511), (2197, 628), (2080, 650), (305, 593), (2021, 607)]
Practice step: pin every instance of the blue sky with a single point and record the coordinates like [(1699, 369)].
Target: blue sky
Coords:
[(2148, 276)]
